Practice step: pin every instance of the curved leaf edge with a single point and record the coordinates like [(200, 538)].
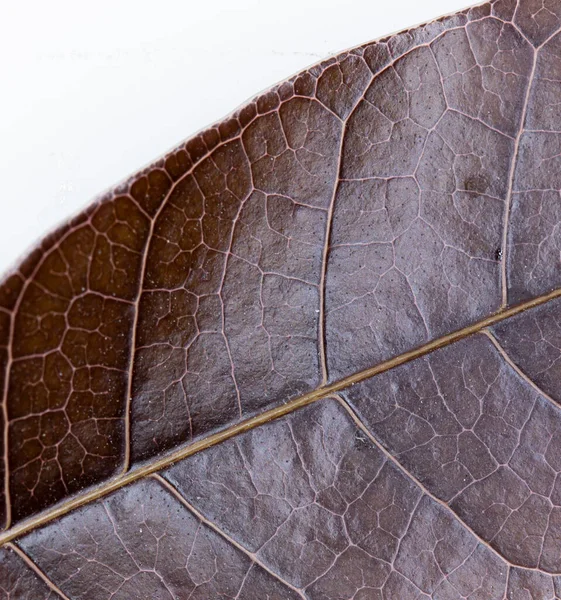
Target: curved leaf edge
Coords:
[(182, 159)]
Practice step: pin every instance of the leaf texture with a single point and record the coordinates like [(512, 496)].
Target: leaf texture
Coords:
[(367, 256)]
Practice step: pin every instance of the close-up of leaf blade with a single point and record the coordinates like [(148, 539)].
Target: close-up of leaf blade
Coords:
[(377, 236)]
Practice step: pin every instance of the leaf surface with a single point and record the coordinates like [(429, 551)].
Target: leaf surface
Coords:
[(377, 235)]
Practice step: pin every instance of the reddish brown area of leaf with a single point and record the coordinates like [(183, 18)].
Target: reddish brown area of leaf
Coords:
[(376, 202)]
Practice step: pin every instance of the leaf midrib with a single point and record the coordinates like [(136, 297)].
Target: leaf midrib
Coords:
[(319, 393)]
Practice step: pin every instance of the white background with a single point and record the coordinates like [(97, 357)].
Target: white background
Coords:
[(90, 92)]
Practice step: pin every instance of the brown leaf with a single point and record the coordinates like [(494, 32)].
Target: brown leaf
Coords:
[(377, 236)]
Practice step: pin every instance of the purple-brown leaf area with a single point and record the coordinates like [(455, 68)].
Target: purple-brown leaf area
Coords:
[(18, 580), (383, 199)]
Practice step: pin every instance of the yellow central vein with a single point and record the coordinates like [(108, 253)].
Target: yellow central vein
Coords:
[(265, 417)]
